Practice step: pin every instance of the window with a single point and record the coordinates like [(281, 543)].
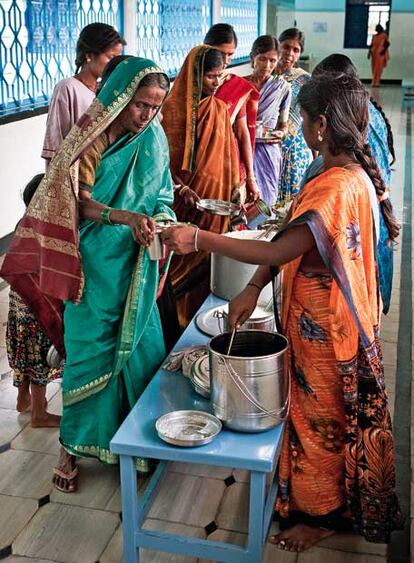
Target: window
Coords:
[(361, 18)]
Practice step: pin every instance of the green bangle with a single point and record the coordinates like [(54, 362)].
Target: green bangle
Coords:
[(106, 216)]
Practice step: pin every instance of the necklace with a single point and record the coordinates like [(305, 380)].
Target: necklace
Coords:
[(92, 87)]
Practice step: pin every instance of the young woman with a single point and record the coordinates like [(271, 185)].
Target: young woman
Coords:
[(273, 111), (113, 170), (296, 154), (381, 142), (98, 43), (241, 98), (336, 468), (203, 162)]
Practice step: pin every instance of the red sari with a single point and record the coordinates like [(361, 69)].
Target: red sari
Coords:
[(242, 99)]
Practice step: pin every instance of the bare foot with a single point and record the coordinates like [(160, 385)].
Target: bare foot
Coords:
[(65, 476), (300, 537), (45, 420), (24, 398)]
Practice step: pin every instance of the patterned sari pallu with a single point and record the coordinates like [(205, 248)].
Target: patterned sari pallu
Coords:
[(337, 456)]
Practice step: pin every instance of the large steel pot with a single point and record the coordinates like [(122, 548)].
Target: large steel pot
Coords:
[(229, 277), (249, 388)]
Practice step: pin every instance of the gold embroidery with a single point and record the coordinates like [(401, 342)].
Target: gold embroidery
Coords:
[(81, 393), (102, 454), (48, 242)]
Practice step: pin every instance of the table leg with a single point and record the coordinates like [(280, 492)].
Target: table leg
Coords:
[(129, 495), (256, 515)]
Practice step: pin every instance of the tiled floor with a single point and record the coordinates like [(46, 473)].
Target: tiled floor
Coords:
[(39, 524)]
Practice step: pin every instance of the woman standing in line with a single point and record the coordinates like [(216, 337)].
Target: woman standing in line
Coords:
[(203, 161), (98, 43), (336, 468), (241, 98), (83, 241), (273, 111), (296, 154)]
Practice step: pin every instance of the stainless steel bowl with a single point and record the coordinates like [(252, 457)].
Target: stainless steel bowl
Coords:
[(188, 428)]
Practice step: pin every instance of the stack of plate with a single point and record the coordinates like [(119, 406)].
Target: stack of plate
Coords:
[(193, 354), (200, 376)]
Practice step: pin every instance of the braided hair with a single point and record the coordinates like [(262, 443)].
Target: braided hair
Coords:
[(95, 38), (343, 100), (338, 62)]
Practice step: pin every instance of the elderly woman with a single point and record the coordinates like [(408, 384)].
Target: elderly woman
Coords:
[(203, 161), (296, 154), (336, 467), (112, 171)]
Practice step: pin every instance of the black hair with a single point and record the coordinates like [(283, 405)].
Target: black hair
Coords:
[(95, 38), (220, 33), (379, 28), (213, 58), (109, 68), (31, 188), (263, 44), (341, 63), (336, 62), (343, 100), (293, 33), (156, 79)]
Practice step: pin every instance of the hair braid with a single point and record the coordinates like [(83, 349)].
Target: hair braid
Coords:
[(364, 156), (390, 136)]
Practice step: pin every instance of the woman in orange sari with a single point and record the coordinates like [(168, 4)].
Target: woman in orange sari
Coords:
[(203, 161), (242, 99), (336, 468), (378, 53)]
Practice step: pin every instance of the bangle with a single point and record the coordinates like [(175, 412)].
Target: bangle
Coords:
[(183, 190), (255, 285), (106, 216), (196, 239), (251, 178)]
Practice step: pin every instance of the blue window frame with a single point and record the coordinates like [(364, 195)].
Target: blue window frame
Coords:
[(37, 46)]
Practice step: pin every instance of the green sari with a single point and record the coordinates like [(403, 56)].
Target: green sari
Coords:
[(113, 337)]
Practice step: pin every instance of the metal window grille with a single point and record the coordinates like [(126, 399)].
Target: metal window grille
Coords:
[(243, 15), (37, 46), (168, 29)]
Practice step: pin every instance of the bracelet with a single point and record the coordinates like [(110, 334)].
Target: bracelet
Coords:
[(255, 285), (251, 178), (106, 216), (196, 239), (183, 190)]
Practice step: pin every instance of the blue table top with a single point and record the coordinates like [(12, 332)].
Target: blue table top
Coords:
[(168, 392)]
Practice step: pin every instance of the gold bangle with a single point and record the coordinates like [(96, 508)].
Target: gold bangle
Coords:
[(255, 285)]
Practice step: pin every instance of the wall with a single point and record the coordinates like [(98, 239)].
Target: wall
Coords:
[(280, 16), (21, 143), (332, 13)]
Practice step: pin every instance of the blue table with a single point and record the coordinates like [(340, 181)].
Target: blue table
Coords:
[(137, 437)]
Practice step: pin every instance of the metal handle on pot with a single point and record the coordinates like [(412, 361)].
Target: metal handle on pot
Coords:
[(247, 395)]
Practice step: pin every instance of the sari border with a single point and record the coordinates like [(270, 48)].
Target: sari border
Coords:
[(80, 393), (102, 454)]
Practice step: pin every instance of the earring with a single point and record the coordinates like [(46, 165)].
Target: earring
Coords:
[(320, 138), (88, 60)]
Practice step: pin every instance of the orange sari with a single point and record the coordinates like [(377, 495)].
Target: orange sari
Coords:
[(379, 56), (337, 455), (201, 147)]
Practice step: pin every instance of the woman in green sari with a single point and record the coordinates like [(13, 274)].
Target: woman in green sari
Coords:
[(114, 168)]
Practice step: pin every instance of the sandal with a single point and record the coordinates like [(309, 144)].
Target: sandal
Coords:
[(70, 478)]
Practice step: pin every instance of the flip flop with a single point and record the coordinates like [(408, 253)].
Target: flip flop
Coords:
[(66, 477)]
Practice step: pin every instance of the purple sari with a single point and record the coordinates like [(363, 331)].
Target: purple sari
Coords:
[(274, 105)]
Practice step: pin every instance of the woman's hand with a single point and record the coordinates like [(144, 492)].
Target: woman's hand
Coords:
[(276, 138), (242, 306), (253, 192), (181, 240), (188, 196), (143, 228)]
